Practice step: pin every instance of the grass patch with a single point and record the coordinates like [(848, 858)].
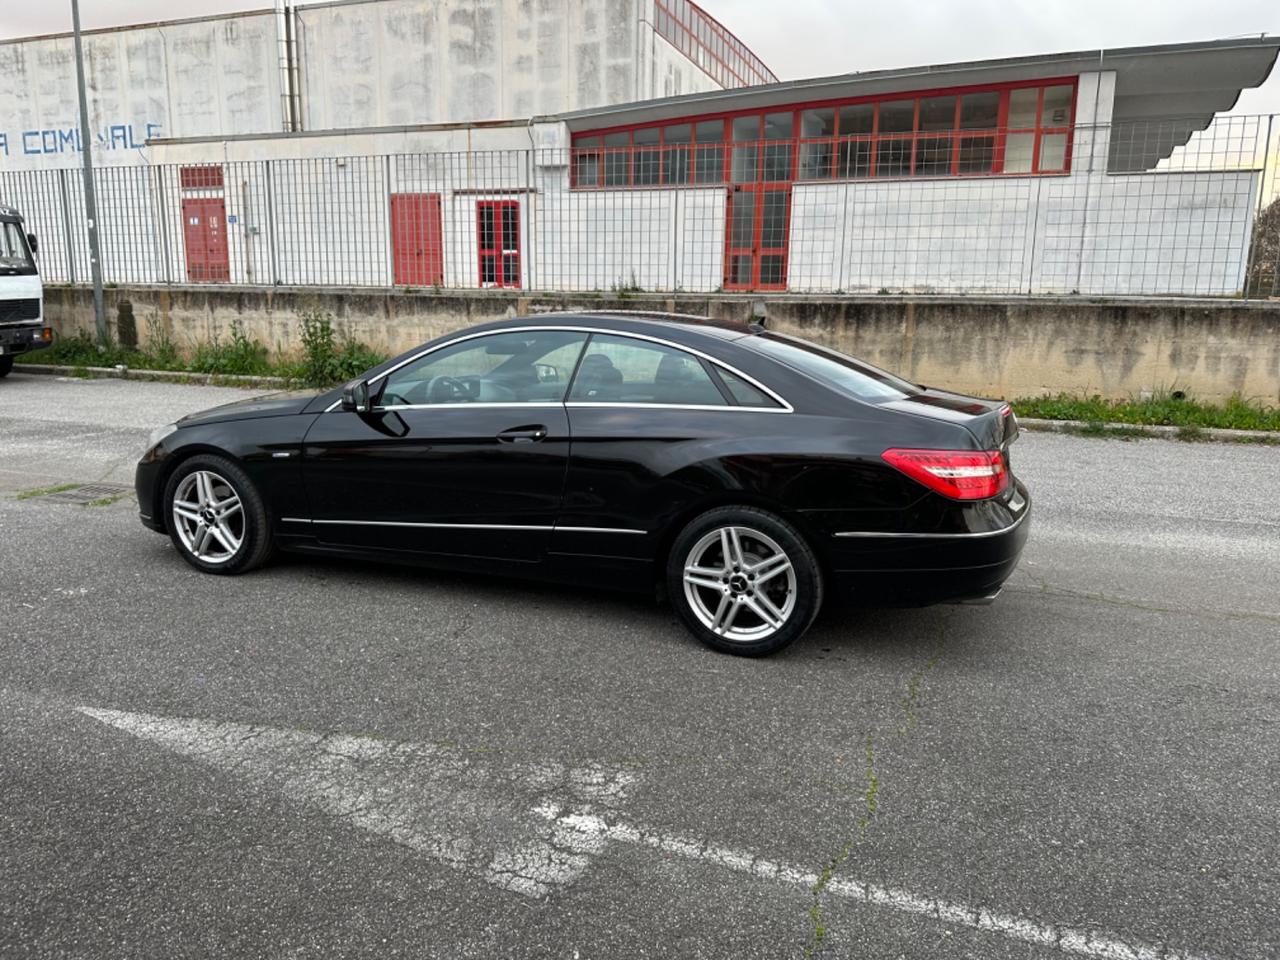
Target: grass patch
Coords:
[(108, 500), (1165, 409), (45, 491), (1095, 428), (326, 359)]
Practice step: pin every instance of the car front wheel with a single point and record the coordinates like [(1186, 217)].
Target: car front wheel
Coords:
[(215, 516), (744, 581)]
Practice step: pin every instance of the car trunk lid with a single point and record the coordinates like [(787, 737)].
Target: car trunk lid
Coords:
[(991, 422)]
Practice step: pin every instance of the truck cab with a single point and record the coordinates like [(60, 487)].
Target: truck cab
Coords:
[(22, 327)]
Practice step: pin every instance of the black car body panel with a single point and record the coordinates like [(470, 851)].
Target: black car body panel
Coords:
[(272, 405), (597, 491)]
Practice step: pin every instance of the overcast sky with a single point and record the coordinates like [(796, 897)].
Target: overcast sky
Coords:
[(799, 38)]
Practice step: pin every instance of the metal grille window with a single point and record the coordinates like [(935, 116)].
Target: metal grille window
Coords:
[(498, 228), (200, 177)]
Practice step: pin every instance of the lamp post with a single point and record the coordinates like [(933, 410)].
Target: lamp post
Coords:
[(90, 194)]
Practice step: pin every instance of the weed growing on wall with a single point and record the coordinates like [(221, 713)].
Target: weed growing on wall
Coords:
[(325, 361), (239, 355)]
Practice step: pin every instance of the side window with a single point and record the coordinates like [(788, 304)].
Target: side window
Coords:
[(625, 370), (744, 394), (517, 367)]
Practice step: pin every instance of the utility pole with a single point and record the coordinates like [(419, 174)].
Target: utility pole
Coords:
[(90, 194)]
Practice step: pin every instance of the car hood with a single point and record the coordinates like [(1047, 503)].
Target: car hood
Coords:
[(283, 404)]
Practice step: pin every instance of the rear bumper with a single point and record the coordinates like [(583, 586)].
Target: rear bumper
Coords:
[(917, 569)]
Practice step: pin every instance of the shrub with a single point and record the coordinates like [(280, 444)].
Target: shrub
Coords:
[(240, 355), (325, 362)]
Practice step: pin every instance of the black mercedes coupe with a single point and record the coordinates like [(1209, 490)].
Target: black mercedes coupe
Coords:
[(743, 472)]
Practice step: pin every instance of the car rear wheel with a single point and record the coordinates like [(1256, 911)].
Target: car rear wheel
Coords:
[(6, 366), (744, 581), (215, 516)]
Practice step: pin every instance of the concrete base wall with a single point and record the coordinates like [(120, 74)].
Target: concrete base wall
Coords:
[(998, 347)]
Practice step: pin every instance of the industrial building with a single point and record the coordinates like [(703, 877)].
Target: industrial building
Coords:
[(630, 144)]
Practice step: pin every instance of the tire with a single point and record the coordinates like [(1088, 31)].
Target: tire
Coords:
[(753, 604), (6, 366), (239, 538)]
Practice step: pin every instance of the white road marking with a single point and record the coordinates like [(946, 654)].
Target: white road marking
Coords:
[(1087, 943), (466, 810), (528, 827)]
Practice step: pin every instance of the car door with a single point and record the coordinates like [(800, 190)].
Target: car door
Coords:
[(464, 451), (652, 427)]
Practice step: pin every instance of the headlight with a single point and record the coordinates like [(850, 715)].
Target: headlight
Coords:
[(159, 433)]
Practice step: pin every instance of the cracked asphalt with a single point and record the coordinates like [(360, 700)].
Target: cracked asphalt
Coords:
[(1097, 752)]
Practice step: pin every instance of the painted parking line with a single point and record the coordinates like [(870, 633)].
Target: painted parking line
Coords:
[(469, 811), (530, 828), (1088, 943)]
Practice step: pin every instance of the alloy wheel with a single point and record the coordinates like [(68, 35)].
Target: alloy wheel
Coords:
[(740, 583), (208, 517)]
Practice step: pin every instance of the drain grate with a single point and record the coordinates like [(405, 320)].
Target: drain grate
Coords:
[(90, 493)]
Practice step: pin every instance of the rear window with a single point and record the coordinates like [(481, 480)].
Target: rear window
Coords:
[(848, 376)]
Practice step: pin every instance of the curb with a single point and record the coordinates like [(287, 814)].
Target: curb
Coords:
[(1220, 434), (158, 376)]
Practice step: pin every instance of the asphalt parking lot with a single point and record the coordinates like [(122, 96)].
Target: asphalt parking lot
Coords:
[(329, 759)]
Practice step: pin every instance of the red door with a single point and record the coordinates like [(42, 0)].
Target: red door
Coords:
[(498, 242), (757, 227), (417, 247), (204, 232)]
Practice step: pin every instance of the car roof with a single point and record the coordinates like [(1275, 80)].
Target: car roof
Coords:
[(676, 326)]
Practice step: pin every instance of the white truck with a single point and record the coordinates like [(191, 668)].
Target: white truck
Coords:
[(22, 326)]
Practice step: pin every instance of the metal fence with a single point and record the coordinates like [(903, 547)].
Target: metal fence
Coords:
[(1135, 209)]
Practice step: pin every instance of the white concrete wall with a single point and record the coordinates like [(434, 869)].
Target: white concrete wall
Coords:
[(363, 63), (666, 71), (194, 78), (1177, 233), (391, 62), (315, 209)]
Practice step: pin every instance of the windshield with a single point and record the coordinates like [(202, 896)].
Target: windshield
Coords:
[(14, 256), (844, 374)]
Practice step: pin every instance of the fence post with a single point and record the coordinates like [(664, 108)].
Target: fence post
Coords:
[(271, 223), (162, 227), (532, 233), (1251, 260), (389, 239), (66, 227)]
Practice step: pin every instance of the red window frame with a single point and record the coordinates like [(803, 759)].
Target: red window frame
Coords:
[(202, 177), (589, 145), (699, 36), (494, 245), (760, 246)]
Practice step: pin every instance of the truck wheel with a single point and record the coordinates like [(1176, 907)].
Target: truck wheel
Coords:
[(6, 364)]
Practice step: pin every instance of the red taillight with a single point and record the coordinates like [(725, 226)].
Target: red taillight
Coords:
[(958, 474)]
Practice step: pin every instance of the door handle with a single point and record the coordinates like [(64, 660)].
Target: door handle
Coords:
[(528, 434)]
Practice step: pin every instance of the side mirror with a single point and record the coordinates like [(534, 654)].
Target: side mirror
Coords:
[(31, 242), (355, 397)]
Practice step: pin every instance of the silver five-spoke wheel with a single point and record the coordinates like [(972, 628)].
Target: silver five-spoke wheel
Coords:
[(208, 517), (740, 583)]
